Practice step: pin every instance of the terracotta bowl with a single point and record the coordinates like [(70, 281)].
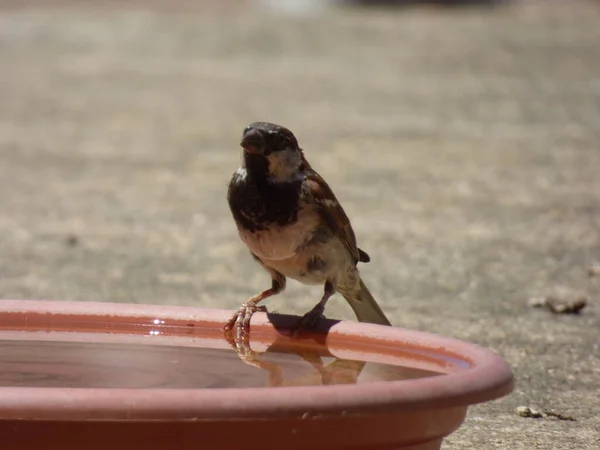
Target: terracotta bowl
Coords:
[(117, 376)]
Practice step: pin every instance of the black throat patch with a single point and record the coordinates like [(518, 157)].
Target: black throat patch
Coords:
[(257, 203)]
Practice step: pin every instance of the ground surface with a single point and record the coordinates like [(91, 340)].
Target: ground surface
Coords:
[(464, 144)]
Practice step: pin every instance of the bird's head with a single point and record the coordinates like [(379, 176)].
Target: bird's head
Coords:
[(272, 149)]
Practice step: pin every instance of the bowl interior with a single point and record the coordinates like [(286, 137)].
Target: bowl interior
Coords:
[(41, 350)]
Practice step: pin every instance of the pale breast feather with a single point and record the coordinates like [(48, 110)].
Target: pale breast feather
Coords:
[(282, 242)]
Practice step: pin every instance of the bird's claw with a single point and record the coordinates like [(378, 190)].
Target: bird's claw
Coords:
[(240, 340), (241, 320)]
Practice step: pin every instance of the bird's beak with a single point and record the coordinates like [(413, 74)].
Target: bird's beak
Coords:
[(253, 142)]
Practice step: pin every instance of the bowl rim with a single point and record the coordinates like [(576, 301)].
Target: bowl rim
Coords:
[(488, 377)]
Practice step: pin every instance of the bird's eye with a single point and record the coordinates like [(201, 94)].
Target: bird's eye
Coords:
[(283, 141)]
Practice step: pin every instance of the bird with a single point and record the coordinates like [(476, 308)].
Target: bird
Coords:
[(294, 226)]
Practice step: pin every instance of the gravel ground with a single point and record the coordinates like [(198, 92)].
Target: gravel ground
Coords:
[(463, 143)]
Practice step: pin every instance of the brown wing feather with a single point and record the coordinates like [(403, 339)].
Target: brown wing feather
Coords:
[(332, 213)]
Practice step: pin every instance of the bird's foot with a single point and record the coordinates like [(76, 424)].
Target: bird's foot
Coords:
[(241, 320), (308, 320), (240, 341)]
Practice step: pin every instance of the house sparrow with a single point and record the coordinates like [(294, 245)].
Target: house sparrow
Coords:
[(293, 225)]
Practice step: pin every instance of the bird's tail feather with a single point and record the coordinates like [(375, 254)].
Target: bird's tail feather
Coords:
[(365, 307)]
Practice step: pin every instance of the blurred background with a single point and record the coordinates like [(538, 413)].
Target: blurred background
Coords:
[(462, 138)]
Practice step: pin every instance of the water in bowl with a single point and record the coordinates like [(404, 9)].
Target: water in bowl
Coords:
[(152, 354)]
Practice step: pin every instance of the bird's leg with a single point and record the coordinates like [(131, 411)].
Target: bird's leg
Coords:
[(310, 319), (241, 318)]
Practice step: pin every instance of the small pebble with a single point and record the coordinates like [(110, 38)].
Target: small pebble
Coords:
[(526, 411), (72, 240), (568, 306), (533, 413), (559, 306)]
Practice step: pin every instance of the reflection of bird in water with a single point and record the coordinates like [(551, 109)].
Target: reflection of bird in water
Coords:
[(339, 371)]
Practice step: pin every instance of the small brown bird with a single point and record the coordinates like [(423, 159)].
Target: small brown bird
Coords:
[(294, 227)]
